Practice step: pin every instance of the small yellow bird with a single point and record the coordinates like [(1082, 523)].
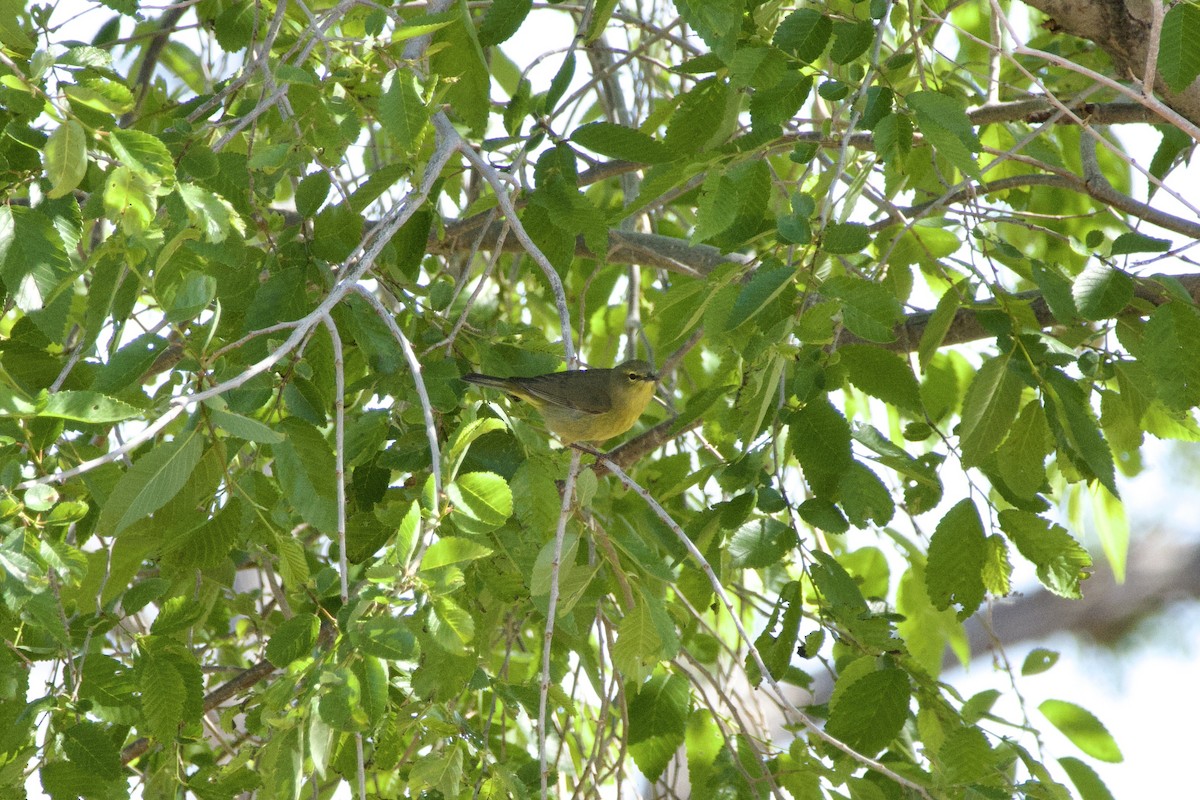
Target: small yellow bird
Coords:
[(583, 405)]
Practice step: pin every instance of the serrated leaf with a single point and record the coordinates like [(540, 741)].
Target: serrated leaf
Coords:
[(1179, 46), (1101, 292), (482, 502), (1083, 729), (1171, 341), (804, 33), (210, 214), (163, 697), (401, 109), (244, 427), (1079, 428), (957, 553), (760, 543), (453, 550), (819, 438), (703, 119), (864, 497), (883, 374), (293, 639), (306, 471), (618, 141), (845, 238), (146, 156), (151, 482), (868, 309), (989, 408), (501, 20), (66, 158), (717, 22), (87, 406), (870, 711), (943, 121), (89, 745), (762, 289), (658, 714), (1087, 782), (851, 40), (939, 324), (1138, 243), (1021, 459), (776, 104)]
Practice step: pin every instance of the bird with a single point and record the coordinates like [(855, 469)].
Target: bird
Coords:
[(590, 405)]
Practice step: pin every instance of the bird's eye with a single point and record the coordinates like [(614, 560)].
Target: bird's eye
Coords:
[(631, 375)]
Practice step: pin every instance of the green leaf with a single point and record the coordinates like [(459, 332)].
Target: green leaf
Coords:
[(883, 374), (763, 288), (1038, 661), (401, 109), (1021, 460), (151, 482), (845, 238), (453, 550), (618, 141), (1179, 46), (1079, 432), (868, 309), (939, 324), (704, 118), (864, 497), (776, 104), (1101, 292), (869, 713), (66, 158), (163, 697), (761, 543), (209, 213), (456, 54), (851, 40), (804, 34), (1111, 526), (89, 745), (293, 639), (957, 553), (658, 714), (33, 259), (442, 771), (86, 406), (989, 408), (1089, 784), (943, 121), (1083, 729), (645, 636), (1061, 562), (244, 427), (1138, 243), (146, 156), (717, 22), (306, 471), (482, 502), (819, 438), (311, 192), (1171, 341), (501, 20), (560, 81)]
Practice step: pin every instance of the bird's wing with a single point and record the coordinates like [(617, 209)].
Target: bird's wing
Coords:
[(578, 390)]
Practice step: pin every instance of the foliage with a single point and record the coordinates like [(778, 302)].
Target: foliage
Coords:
[(903, 307)]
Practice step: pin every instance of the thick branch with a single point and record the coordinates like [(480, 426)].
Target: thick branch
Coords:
[(1122, 29), (968, 327)]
